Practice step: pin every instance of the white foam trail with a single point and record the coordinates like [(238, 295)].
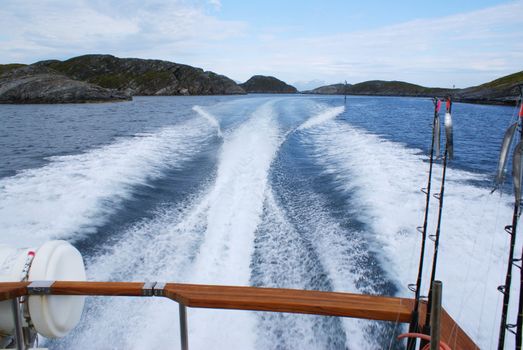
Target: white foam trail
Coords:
[(210, 118), (235, 206), (326, 115), (385, 178), (73, 194), (283, 264), (209, 239), (159, 249), (338, 256)]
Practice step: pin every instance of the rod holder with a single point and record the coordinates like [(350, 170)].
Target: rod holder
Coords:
[(435, 316), (184, 337), (19, 333)]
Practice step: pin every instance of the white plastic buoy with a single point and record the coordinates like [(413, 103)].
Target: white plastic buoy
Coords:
[(52, 316)]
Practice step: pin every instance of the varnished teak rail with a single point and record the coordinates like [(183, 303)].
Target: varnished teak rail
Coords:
[(259, 299)]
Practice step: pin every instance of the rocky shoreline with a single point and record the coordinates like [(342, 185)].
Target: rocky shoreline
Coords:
[(106, 78), (34, 84), (502, 91)]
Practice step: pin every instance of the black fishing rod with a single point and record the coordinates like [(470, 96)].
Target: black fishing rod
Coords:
[(449, 151), (416, 288), (512, 230), (519, 323), (505, 289)]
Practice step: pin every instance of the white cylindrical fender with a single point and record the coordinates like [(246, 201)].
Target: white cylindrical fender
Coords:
[(12, 262), (52, 316)]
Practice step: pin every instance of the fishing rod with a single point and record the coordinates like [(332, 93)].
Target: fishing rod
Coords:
[(416, 288), (511, 229), (519, 323), (449, 154)]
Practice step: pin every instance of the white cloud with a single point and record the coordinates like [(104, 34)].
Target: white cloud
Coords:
[(462, 49), (43, 29), (216, 3)]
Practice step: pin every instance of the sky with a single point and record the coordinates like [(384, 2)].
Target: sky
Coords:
[(307, 43)]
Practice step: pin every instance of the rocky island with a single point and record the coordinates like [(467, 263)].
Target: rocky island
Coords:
[(500, 91), (102, 78), (144, 77), (38, 84), (267, 85)]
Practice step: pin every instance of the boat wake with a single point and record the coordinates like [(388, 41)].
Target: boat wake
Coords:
[(380, 174), (292, 201), (74, 194), (324, 116), (210, 118), (208, 239)]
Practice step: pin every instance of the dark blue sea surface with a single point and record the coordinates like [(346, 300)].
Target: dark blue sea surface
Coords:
[(290, 191)]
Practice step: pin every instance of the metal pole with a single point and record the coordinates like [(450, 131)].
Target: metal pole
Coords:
[(428, 317), (435, 317), (414, 323), (512, 230), (519, 324), (20, 344), (183, 327)]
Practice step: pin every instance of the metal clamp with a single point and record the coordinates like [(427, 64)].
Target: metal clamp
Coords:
[(510, 327), (502, 289), (158, 289), (148, 288), (40, 287)]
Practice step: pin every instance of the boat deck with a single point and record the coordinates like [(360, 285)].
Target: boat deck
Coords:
[(257, 299)]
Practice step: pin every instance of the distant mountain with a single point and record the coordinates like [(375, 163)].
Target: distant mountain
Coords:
[(267, 84), (39, 84), (500, 91), (144, 77), (394, 88), (379, 87), (334, 89), (303, 85)]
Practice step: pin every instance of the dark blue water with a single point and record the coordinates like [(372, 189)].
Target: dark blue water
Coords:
[(236, 191), (32, 133)]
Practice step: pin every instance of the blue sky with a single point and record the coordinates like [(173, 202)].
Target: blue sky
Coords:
[(307, 43)]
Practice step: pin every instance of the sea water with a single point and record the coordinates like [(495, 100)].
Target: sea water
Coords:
[(286, 191)]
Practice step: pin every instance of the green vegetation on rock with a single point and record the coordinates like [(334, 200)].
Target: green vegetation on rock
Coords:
[(500, 91), (267, 84), (144, 77), (4, 68)]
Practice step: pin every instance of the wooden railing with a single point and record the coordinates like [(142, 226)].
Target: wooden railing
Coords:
[(248, 298)]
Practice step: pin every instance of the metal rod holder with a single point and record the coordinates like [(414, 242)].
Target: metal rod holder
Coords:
[(19, 334), (435, 316), (184, 337)]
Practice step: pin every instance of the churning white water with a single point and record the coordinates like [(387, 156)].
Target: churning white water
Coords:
[(266, 214)]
